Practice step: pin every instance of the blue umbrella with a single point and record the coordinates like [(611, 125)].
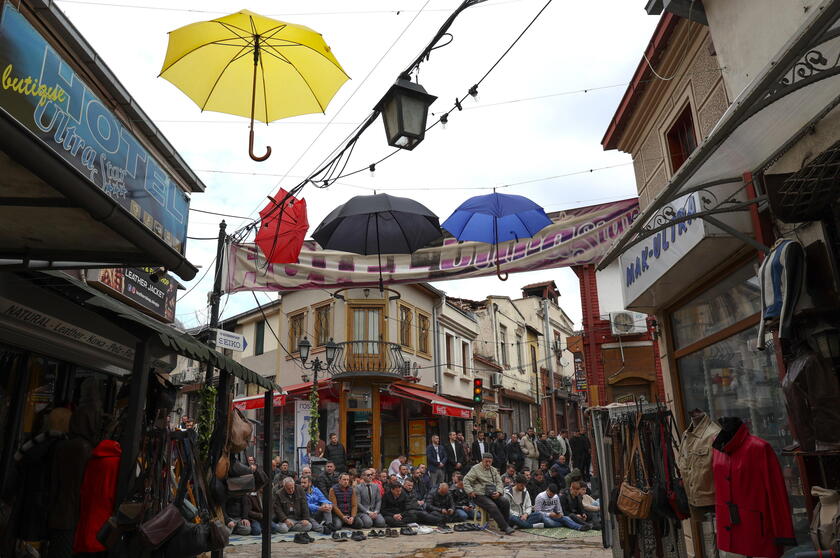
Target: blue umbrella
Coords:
[(495, 218)]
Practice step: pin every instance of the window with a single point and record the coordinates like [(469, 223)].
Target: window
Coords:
[(405, 326), (520, 359), (295, 331), (449, 341), (366, 325), (322, 325), (681, 139), (259, 338), (465, 356), (423, 323), (503, 343), (533, 360)]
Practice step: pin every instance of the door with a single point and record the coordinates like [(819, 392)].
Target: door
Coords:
[(366, 353)]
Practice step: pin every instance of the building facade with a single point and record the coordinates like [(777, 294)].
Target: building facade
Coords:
[(732, 154)]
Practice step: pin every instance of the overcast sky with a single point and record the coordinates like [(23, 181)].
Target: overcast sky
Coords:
[(574, 46)]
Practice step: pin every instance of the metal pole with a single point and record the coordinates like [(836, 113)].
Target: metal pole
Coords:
[(134, 418), (268, 412), (216, 294)]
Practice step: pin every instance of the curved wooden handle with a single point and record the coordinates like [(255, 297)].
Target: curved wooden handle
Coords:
[(251, 149), (499, 274)]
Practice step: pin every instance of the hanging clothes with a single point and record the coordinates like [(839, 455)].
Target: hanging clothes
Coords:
[(695, 461), (98, 495), (751, 502), (811, 393), (780, 278)]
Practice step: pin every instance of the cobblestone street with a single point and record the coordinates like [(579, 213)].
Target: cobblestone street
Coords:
[(454, 545)]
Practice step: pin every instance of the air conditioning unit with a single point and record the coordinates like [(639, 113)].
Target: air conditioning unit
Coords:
[(496, 380), (628, 323)]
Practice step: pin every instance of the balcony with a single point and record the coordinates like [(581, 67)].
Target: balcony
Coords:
[(369, 359)]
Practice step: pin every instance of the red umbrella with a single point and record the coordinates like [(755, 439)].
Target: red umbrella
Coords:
[(282, 229)]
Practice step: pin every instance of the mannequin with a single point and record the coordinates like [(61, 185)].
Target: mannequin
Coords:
[(752, 511), (825, 528)]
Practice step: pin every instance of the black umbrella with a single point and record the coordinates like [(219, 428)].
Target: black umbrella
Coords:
[(378, 224)]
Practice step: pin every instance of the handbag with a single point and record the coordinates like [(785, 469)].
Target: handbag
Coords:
[(223, 466), (192, 540), (109, 535), (239, 434), (677, 496), (219, 535), (130, 514), (240, 486), (635, 502), (157, 530)]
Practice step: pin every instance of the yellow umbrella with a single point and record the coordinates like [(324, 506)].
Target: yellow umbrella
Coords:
[(289, 67)]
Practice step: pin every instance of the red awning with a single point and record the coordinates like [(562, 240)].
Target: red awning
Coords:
[(258, 401), (440, 405), (305, 386)]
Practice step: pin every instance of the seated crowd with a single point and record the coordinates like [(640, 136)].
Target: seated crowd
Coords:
[(451, 489)]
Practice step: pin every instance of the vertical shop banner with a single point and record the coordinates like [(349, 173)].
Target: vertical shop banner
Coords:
[(576, 237), (580, 374), (303, 416), (137, 286), (42, 91)]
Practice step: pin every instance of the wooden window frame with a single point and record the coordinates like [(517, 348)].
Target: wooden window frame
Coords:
[(420, 333), (520, 355), (503, 330), (401, 325), (449, 349), (259, 337), (330, 326), (465, 354), (291, 317), (362, 303)]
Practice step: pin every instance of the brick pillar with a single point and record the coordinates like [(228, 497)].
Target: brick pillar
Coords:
[(591, 334)]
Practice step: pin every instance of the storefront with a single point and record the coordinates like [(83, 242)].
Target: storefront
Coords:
[(374, 422)]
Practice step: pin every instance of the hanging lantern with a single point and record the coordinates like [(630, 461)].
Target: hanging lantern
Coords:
[(405, 108)]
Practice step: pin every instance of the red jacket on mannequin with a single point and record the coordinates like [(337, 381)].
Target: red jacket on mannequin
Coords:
[(99, 492), (751, 501)]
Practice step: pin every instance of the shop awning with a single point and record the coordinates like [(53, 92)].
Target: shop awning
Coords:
[(178, 341), (797, 88), (440, 405), (258, 401), (305, 386)]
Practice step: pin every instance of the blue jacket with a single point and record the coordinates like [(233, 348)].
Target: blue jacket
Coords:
[(432, 461), (315, 499)]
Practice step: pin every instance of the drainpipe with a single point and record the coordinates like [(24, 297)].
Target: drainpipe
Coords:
[(550, 363), (436, 347), (495, 308)]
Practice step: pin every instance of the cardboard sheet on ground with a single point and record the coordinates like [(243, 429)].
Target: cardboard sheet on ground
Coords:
[(577, 236)]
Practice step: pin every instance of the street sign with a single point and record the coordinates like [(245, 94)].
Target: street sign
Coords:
[(490, 407), (230, 340)]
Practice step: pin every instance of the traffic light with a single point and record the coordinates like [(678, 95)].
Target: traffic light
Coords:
[(477, 387)]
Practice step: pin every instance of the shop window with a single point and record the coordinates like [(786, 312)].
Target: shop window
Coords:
[(465, 356), (734, 299), (423, 333), (259, 338), (681, 139), (503, 341), (322, 325), (520, 356), (450, 340), (295, 331), (405, 326)]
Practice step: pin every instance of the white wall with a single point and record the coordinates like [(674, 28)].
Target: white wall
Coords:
[(610, 298), (748, 33)]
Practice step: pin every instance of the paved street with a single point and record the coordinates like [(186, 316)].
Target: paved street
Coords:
[(454, 545)]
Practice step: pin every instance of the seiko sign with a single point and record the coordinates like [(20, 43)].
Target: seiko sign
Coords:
[(230, 340)]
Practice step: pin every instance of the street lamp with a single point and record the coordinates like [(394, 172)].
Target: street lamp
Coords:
[(304, 346), (404, 109)]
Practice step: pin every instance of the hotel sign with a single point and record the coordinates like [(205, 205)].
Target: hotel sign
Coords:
[(42, 91)]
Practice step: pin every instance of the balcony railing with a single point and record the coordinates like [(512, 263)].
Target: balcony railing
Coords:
[(369, 358)]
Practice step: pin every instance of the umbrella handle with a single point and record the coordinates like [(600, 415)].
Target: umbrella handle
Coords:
[(502, 276), (251, 149)]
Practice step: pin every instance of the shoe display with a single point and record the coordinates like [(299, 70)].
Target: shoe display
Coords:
[(381, 533), (509, 531), (373, 534), (309, 537), (336, 536), (358, 536), (407, 531), (301, 538), (585, 527), (345, 536), (393, 533)]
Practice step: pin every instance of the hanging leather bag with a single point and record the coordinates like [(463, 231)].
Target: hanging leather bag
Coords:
[(240, 486), (677, 496), (240, 431), (219, 535), (160, 528), (632, 501)]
